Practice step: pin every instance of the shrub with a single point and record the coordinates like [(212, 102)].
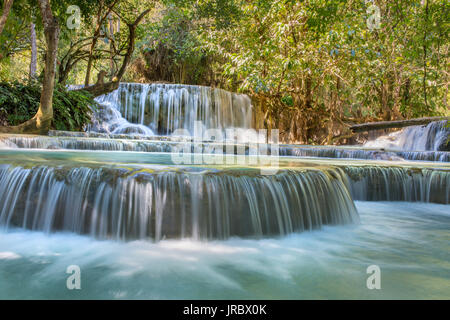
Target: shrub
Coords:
[(71, 109)]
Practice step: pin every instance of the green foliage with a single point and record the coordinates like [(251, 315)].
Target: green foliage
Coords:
[(319, 60), (172, 51), (14, 38), (71, 109), (221, 14), (288, 100), (18, 102), (307, 64)]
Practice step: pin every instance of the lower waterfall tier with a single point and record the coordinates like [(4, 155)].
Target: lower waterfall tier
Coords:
[(139, 204), (160, 200)]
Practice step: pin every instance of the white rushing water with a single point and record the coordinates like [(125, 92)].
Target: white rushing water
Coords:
[(156, 117), (164, 108), (409, 242), (125, 195), (121, 142), (142, 226), (114, 203), (432, 137)]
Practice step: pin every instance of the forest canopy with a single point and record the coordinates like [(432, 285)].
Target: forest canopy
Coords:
[(312, 68)]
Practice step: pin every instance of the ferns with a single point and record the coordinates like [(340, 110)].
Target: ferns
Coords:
[(71, 109)]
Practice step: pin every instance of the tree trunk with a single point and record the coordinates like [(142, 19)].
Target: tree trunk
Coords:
[(101, 87), (40, 123), (424, 81), (92, 47), (7, 4), (94, 42), (90, 60), (111, 45), (394, 124), (33, 62), (445, 96)]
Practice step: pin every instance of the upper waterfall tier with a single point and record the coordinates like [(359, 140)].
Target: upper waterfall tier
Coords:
[(432, 137), (149, 109)]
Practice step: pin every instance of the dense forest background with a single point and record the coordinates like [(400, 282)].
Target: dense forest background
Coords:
[(312, 67)]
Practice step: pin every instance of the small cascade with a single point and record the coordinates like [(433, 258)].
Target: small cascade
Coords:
[(362, 153), (337, 152), (7, 144), (163, 144), (441, 156), (79, 143), (107, 119), (142, 203), (117, 142), (164, 108), (377, 183), (432, 137)]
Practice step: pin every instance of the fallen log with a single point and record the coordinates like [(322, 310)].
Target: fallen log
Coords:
[(394, 124), (99, 89)]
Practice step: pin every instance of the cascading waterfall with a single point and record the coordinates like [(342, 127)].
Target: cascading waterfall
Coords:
[(107, 119), (122, 201), (441, 156), (77, 143), (377, 183), (7, 144), (353, 153), (432, 137), (144, 117), (141, 203), (215, 229), (105, 142), (164, 108)]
